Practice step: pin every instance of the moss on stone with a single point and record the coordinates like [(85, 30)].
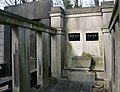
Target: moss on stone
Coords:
[(84, 54)]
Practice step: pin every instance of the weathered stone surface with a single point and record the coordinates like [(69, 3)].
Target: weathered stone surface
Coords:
[(109, 3), (32, 10), (83, 62), (83, 10), (81, 76), (114, 27), (100, 75), (74, 87), (61, 86), (99, 90)]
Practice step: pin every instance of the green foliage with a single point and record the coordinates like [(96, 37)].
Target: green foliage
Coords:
[(96, 2), (84, 54), (67, 4)]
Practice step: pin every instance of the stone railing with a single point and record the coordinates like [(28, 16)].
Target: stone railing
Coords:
[(47, 45)]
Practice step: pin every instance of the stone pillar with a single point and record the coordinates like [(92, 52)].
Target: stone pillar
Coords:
[(7, 48), (43, 57), (117, 57), (119, 40), (24, 56), (39, 58), (15, 60), (20, 59), (107, 57), (57, 42), (107, 41)]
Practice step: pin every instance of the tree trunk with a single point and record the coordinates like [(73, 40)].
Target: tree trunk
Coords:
[(96, 2), (23, 1)]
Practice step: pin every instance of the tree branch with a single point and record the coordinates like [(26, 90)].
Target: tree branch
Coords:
[(7, 2)]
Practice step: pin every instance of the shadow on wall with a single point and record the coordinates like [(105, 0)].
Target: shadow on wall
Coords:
[(97, 63), (75, 61), (86, 60), (69, 54)]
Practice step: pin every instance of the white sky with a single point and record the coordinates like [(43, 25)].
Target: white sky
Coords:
[(85, 2)]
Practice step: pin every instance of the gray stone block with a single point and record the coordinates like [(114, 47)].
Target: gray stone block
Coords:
[(81, 76), (32, 10)]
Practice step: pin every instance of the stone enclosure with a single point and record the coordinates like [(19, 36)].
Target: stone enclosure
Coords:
[(78, 48)]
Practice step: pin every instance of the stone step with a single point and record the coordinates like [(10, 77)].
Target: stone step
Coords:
[(6, 81)]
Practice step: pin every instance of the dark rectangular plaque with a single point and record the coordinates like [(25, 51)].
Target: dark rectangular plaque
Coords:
[(92, 37), (74, 36)]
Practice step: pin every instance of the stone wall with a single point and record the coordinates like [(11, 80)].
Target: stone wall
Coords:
[(114, 30), (83, 21), (79, 24), (32, 10), (86, 22)]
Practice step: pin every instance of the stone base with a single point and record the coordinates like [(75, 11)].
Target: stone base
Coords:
[(99, 75), (106, 84), (99, 90), (81, 76)]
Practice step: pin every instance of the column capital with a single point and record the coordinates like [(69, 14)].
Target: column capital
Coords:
[(57, 10), (57, 17)]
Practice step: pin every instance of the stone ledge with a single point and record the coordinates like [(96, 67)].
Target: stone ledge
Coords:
[(57, 10), (83, 10), (107, 4)]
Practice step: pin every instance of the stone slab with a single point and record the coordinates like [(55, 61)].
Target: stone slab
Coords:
[(74, 87), (81, 76), (61, 86), (87, 87), (33, 10)]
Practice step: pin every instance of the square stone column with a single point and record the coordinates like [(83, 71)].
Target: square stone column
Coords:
[(43, 57), (57, 42), (20, 59), (107, 12)]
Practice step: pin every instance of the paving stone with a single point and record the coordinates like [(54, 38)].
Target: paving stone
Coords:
[(74, 87), (61, 86), (86, 87)]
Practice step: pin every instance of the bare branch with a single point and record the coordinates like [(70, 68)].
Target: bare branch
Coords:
[(11, 2), (6, 2), (23, 1)]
